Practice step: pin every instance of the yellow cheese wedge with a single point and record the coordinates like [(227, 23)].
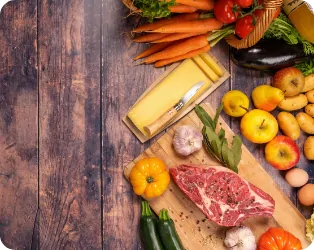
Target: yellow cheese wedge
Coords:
[(212, 64), (207, 70), (167, 93)]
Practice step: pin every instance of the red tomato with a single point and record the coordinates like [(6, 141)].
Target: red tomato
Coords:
[(244, 26), (244, 3), (226, 11)]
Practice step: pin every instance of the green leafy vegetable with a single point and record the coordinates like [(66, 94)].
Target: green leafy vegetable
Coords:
[(310, 228), (306, 67), (154, 8), (217, 144), (281, 28)]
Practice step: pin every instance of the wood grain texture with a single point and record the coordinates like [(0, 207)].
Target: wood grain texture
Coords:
[(18, 124), (123, 84), (69, 119)]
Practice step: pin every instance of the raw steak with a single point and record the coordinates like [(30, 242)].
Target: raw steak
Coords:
[(222, 195)]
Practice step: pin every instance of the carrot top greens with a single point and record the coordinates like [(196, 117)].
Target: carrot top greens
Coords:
[(154, 9)]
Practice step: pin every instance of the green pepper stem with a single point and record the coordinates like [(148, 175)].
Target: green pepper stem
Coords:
[(146, 211)]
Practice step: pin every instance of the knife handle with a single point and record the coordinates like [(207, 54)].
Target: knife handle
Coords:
[(161, 121)]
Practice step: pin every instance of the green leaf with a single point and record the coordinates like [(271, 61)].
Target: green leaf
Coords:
[(231, 164), (221, 134), (204, 117), (154, 9), (218, 111), (224, 153), (217, 144), (306, 67), (236, 149)]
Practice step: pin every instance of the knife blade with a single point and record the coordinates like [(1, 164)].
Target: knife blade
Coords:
[(172, 112)]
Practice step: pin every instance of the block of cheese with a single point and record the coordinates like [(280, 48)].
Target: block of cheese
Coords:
[(167, 93), (206, 69), (212, 63)]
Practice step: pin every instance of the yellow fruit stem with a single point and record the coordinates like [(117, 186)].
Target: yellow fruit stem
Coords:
[(262, 124), (247, 110)]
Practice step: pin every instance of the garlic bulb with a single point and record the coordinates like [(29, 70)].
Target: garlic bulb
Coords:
[(240, 238), (187, 140)]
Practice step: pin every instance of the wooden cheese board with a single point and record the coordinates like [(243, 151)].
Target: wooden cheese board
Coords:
[(197, 232), (143, 138)]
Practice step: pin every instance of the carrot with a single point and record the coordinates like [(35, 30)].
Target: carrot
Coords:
[(190, 54), (162, 22), (149, 37), (196, 26), (152, 49), (175, 37), (178, 49), (202, 5), (182, 9)]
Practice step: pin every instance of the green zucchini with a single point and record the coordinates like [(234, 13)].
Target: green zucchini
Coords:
[(148, 229), (167, 231)]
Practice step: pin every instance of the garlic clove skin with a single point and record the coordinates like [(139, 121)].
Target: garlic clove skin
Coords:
[(240, 238), (187, 140)]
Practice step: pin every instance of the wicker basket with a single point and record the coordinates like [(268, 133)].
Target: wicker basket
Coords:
[(130, 5), (262, 24)]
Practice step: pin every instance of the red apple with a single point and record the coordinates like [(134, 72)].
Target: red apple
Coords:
[(282, 152), (290, 80)]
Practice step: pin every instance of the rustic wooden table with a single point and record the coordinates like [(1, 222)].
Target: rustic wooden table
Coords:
[(66, 80)]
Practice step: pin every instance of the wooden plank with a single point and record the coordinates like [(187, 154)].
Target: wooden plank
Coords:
[(18, 124), (69, 84), (185, 110), (249, 169), (123, 84)]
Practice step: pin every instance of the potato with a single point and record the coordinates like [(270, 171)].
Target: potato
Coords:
[(306, 122), (309, 148), (293, 103), (289, 125), (309, 83), (309, 109), (310, 96)]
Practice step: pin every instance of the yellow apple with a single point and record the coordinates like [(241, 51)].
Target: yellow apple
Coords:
[(236, 103), (259, 126)]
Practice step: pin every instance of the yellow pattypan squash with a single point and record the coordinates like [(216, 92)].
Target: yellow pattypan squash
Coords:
[(149, 177)]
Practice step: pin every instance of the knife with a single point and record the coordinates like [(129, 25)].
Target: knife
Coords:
[(171, 113)]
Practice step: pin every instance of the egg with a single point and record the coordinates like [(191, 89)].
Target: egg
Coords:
[(306, 195), (297, 177)]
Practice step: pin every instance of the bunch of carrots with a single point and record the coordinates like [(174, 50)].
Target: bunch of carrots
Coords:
[(180, 37), (190, 6)]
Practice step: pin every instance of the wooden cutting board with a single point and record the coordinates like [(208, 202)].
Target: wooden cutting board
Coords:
[(194, 229)]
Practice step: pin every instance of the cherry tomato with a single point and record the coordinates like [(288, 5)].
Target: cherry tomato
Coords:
[(226, 11), (244, 3), (244, 26)]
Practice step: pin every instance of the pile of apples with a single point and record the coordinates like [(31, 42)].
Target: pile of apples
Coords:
[(289, 91)]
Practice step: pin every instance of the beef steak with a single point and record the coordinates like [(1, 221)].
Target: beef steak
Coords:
[(222, 195)]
